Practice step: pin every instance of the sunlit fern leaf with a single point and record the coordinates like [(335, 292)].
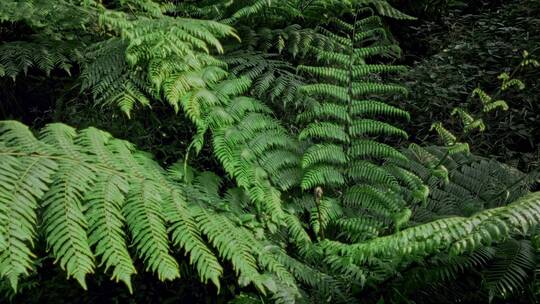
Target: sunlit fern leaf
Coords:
[(106, 226), (64, 220), (91, 186), (145, 220), (186, 235), (18, 203)]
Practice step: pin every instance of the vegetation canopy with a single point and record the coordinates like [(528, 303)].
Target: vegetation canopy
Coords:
[(266, 151)]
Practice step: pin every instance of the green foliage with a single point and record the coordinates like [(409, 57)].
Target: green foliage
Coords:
[(342, 155), (454, 60), (472, 184), (91, 186), (294, 105)]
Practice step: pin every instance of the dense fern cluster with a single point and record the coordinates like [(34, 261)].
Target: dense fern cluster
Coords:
[(313, 201), (86, 186)]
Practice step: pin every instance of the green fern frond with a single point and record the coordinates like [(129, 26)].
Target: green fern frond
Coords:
[(324, 131), (376, 108), (498, 104), (457, 234), (64, 221), (185, 234), (327, 211), (359, 229), (327, 90), (366, 171), (19, 195), (513, 262), (361, 89), (92, 187), (363, 127), (446, 136), (322, 175), (325, 111), (372, 149), (144, 217), (324, 153), (19, 57)]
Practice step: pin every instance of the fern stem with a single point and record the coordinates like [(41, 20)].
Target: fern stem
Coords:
[(318, 195)]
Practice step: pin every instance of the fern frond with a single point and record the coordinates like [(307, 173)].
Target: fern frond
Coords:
[(376, 108), (513, 262), (324, 131), (325, 111), (363, 127), (145, 220), (186, 235), (366, 171), (373, 149), (327, 211), (92, 186), (19, 195), (64, 220), (323, 153), (322, 175)]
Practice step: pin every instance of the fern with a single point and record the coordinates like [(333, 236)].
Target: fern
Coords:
[(92, 187), (19, 57), (324, 208), (471, 185), (340, 129), (514, 260), (272, 79), (457, 234)]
